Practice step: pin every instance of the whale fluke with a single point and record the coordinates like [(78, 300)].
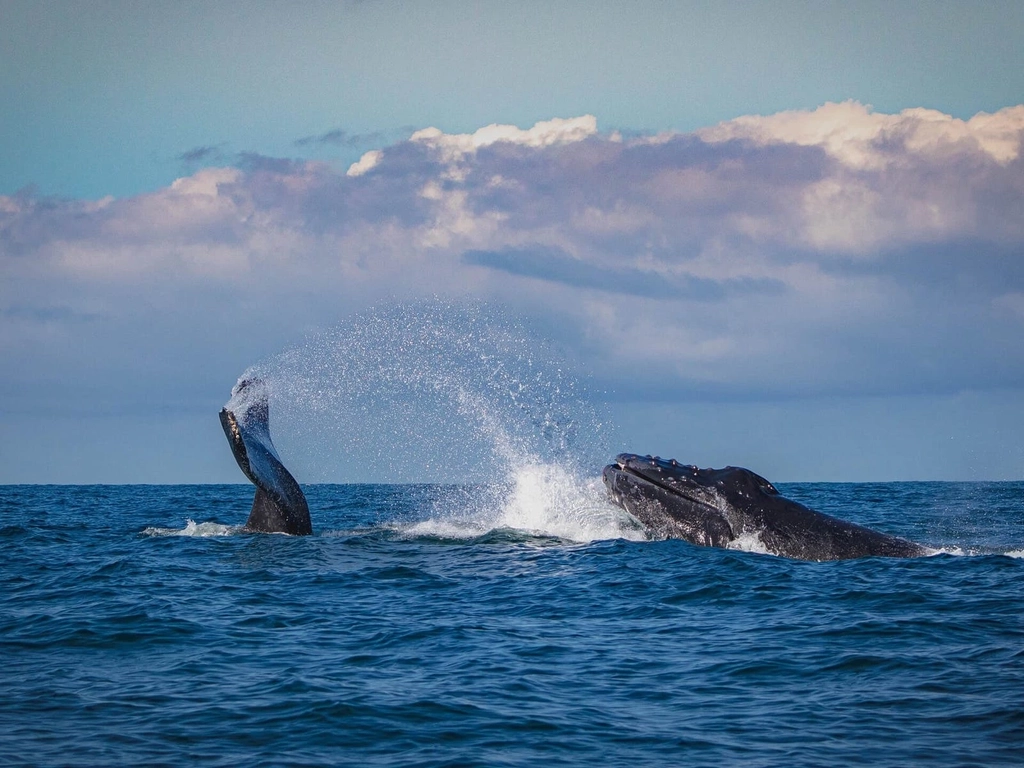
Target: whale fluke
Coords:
[(279, 505)]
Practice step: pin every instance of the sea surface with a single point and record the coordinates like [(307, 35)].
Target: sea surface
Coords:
[(521, 625)]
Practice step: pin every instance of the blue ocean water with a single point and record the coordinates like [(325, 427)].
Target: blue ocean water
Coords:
[(448, 626)]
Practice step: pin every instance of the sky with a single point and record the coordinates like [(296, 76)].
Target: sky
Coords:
[(782, 235)]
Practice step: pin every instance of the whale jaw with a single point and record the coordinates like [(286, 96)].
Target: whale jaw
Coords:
[(669, 510)]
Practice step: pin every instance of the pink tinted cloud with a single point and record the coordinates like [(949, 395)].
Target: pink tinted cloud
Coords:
[(815, 250)]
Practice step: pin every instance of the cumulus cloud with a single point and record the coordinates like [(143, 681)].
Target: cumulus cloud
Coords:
[(861, 138), (836, 250), (544, 134), (365, 163)]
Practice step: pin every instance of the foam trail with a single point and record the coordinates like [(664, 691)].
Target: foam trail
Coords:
[(1017, 554), (192, 528)]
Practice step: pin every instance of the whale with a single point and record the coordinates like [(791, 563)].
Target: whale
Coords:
[(733, 507), (279, 505)]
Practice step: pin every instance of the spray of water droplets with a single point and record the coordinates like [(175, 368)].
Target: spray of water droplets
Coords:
[(455, 393)]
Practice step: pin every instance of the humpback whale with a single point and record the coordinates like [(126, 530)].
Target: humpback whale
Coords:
[(716, 507), (279, 505)]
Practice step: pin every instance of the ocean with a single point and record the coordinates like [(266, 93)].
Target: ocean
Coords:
[(520, 625)]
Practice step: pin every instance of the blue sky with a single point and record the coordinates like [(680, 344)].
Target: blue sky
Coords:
[(778, 235), (104, 97)]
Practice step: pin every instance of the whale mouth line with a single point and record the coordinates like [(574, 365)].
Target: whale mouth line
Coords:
[(674, 491)]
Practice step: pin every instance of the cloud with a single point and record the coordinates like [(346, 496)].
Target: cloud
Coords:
[(253, 161), (46, 314), (198, 155), (341, 138), (860, 138), (555, 266), (544, 134), (831, 251), (365, 163)]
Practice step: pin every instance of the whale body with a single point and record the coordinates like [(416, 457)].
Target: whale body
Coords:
[(279, 505), (723, 507)]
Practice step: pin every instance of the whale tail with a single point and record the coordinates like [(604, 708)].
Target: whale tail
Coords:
[(279, 505)]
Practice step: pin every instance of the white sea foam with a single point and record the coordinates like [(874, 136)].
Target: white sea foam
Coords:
[(192, 528), (955, 551), (540, 500), (749, 542), (960, 552), (547, 499)]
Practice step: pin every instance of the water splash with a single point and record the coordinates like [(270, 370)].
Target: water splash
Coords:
[(429, 392), (547, 499), (541, 500), (457, 393), (750, 542)]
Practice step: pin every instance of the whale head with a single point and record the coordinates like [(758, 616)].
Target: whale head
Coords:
[(734, 507), (674, 500)]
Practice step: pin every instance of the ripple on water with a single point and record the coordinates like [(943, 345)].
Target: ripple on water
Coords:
[(381, 642)]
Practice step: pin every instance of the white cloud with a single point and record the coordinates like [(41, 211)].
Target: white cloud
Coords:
[(367, 162), (832, 250), (543, 134), (205, 183), (862, 139)]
